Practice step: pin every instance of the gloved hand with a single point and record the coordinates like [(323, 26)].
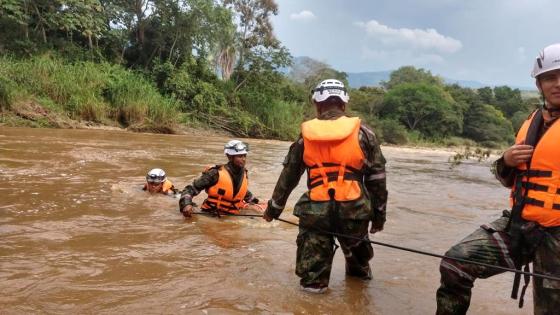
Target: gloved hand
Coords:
[(267, 218), (378, 221), (187, 211), (376, 227), (271, 212)]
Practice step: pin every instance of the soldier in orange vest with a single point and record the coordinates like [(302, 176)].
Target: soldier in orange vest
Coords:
[(157, 182), (226, 185), (531, 231), (347, 189)]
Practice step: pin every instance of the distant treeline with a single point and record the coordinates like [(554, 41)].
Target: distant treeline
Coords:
[(160, 64)]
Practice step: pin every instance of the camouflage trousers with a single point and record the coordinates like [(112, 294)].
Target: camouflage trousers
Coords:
[(490, 244), (315, 250)]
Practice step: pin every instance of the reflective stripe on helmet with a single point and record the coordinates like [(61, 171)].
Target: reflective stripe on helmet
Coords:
[(328, 88), (156, 175), (236, 147)]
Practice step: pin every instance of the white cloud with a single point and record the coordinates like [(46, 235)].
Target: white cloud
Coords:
[(304, 15), (406, 38)]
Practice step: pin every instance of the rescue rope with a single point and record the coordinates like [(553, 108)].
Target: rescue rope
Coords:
[(421, 252)]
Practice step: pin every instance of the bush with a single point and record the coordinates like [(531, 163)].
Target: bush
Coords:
[(8, 90), (393, 132), (86, 90)]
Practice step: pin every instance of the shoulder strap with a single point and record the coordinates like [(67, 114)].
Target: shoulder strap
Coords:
[(534, 128), (515, 222)]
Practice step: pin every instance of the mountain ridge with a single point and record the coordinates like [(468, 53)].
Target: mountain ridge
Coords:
[(374, 78)]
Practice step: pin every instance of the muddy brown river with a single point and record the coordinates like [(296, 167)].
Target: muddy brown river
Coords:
[(78, 235)]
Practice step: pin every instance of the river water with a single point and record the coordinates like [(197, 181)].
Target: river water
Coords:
[(78, 235)]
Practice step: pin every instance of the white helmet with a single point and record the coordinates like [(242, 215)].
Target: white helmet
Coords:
[(327, 88), (236, 147), (156, 176), (547, 60)]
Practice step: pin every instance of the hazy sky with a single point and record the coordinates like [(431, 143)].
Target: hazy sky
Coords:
[(490, 41)]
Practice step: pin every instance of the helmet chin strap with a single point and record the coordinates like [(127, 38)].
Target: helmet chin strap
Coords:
[(552, 111)]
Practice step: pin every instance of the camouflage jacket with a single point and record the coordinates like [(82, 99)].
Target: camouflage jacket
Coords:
[(371, 206), (208, 179), (504, 173)]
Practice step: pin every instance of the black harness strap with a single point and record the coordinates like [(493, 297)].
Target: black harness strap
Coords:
[(534, 186), (331, 177), (350, 168), (519, 200)]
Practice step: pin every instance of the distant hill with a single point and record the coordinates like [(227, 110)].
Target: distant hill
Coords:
[(357, 79)]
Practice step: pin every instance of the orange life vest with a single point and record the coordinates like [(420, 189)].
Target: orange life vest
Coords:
[(165, 189), (333, 157), (220, 196), (542, 200)]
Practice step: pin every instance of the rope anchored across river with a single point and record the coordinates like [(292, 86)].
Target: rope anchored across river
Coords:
[(412, 250)]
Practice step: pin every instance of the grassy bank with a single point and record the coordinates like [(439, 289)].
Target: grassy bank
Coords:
[(49, 92)]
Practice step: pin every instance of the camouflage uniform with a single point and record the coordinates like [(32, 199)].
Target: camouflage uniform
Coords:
[(208, 179), (491, 244), (315, 250)]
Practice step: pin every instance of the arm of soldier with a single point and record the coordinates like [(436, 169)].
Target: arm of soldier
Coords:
[(503, 173), (288, 180), (378, 196), (207, 179), (250, 198), (173, 190), (375, 178)]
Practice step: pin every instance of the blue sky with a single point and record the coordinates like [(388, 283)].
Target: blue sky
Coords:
[(490, 41)]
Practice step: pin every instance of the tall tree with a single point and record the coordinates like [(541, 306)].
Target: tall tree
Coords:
[(409, 74), (41, 20), (486, 95), (486, 124), (367, 100), (258, 48), (509, 100), (423, 107)]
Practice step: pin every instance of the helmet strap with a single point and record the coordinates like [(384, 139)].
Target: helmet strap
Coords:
[(551, 115)]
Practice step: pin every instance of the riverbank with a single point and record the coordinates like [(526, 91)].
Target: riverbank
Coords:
[(32, 115), (44, 119), (51, 91)]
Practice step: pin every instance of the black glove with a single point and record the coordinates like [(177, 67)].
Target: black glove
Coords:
[(378, 221), (272, 211)]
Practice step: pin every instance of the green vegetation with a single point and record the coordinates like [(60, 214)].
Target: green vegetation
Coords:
[(157, 65), (418, 108), (96, 92)]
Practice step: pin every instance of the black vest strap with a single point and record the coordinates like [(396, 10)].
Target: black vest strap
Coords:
[(533, 186), (537, 173), (349, 168), (332, 177), (532, 137)]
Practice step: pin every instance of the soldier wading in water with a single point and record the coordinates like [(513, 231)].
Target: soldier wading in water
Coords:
[(226, 185), (531, 231), (346, 182)]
